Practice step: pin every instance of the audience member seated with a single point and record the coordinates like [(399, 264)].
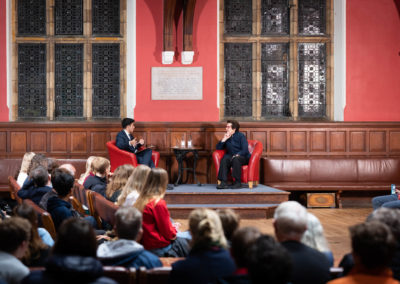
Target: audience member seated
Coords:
[(89, 170), (38, 251), (134, 185), (309, 265), (70, 168), (390, 217), (118, 181), (101, 170), (36, 185), (373, 246), (125, 251), (38, 160), (242, 240), (208, 259), (159, 234), (23, 172), (314, 237), (269, 262), (388, 201), (14, 235), (230, 222), (74, 257)]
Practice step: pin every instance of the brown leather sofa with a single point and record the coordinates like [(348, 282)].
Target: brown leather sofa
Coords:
[(331, 175), (10, 167)]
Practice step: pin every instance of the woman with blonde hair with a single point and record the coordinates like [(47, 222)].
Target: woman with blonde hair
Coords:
[(89, 170), (118, 181), (101, 170), (159, 234), (133, 186), (23, 172), (209, 258)]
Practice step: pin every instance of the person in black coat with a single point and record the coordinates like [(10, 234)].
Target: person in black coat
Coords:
[(127, 142), (98, 181), (35, 186), (73, 258), (309, 265)]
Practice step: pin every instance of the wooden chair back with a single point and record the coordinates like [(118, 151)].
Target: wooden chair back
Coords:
[(101, 208), (120, 274), (44, 218), (14, 188), (158, 275)]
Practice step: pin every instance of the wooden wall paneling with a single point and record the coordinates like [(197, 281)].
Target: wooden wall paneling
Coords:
[(357, 141), (177, 137), (394, 141), (38, 141), (198, 138), (58, 142), (215, 138), (377, 141), (113, 135), (318, 141), (337, 141), (259, 136), (3, 141), (98, 140), (18, 141), (159, 139), (298, 141), (79, 142), (278, 141)]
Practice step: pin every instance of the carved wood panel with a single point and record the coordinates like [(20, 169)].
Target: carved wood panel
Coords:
[(58, 142), (358, 141), (98, 141), (18, 142), (394, 141), (79, 142), (3, 141), (298, 141), (278, 141), (338, 141), (38, 141), (377, 141), (317, 141)]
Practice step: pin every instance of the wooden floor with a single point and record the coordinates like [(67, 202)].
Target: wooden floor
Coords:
[(335, 222)]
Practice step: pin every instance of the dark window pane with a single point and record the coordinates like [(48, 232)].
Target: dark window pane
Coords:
[(275, 17), (106, 18), (238, 79), (31, 17), (106, 89), (275, 80), (69, 80), (68, 17), (238, 17), (312, 79), (312, 17), (31, 80)]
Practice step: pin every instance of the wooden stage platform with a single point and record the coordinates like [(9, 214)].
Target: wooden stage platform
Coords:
[(255, 203)]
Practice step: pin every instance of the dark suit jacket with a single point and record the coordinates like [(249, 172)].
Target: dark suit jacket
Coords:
[(309, 265), (122, 142)]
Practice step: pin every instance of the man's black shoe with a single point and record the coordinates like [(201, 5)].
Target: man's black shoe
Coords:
[(236, 185), (222, 185)]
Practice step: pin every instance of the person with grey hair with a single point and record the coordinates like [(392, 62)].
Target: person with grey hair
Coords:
[(309, 265), (390, 217), (36, 187), (126, 251), (70, 168)]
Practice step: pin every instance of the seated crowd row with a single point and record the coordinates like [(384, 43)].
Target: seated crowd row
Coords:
[(215, 248)]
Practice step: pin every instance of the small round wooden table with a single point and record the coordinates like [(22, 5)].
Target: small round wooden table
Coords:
[(180, 155)]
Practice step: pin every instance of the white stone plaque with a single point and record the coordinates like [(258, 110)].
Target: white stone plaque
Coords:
[(177, 83)]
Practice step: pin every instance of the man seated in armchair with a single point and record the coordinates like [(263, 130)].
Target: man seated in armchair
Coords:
[(126, 141), (237, 154)]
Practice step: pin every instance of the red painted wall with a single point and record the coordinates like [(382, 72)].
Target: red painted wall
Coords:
[(3, 62), (148, 54), (373, 61)]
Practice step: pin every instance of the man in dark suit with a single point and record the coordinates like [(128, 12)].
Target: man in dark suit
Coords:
[(126, 141), (309, 265)]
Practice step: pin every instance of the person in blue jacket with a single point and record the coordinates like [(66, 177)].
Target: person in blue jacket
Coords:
[(35, 186), (126, 251), (237, 154)]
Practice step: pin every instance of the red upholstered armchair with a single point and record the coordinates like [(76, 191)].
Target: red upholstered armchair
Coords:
[(120, 157), (250, 172)]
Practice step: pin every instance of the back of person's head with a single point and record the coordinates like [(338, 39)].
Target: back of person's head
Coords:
[(88, 169), (26, 161), (314, 235), (206, 228), (136, 181), (269, 262), (40, 176), (154, 187), (70, 168), (128, 223), (388, 216), (52, 164), (230, 222), (75, 237), (235, 124), (242, 240), (62, 182), (24, 210), (13, 232), (38, 160), (119, 179), (290, 221), (126, 122), (373, 245), (100, 165)]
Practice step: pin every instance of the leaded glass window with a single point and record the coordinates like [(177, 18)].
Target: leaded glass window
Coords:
[(277, 67), (106, 19), (69, 17), (31, 17)]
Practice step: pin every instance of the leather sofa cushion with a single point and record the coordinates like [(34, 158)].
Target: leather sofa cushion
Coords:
[(338, 170), (375, 170), (278, 170)]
